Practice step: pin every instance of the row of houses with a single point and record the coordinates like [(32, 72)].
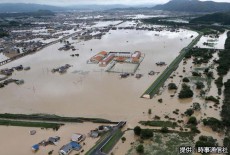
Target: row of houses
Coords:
[(77, 138), (74, 144)]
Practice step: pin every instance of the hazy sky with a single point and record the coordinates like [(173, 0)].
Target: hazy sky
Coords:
[(71, 2)]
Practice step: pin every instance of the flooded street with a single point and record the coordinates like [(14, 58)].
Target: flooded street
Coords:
[(86, 90), (114, 77)]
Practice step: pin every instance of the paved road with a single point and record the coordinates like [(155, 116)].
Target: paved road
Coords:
[(97, 150), (155, 86)]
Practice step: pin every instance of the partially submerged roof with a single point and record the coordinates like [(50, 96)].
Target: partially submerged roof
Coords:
[(35, 147), (71, 146), (103, 53)]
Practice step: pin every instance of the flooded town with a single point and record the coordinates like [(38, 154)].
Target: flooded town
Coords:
[(125, 80)]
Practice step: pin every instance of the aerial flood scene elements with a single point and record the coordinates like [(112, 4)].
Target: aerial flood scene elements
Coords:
[(115, 77)]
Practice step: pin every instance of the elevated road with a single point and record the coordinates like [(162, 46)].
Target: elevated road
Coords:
[(155, 86), (98, 148)]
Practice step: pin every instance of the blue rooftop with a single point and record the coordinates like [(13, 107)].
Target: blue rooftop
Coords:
[(75, 145), (35, 147)]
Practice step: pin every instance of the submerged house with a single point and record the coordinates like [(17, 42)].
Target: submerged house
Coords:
[(53, 140), (94, 133), (161, 63), (35, 147), (76, 137), (66, 149), (7, 72)]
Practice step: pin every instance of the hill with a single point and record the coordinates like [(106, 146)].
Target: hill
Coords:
[(26, 7), (30, 7), (222, 18), (38, 13), (193, 6)]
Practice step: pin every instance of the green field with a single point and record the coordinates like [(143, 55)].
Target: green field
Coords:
[(112, 142), (159, 123), (30, 124)]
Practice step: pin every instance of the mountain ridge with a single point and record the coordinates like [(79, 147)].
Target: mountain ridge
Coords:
[(219, 17), (194, 6)]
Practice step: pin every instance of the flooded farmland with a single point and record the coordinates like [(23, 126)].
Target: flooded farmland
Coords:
[(86, 87), (86, 90)]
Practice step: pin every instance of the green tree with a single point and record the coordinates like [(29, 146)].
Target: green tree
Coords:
[(172, 86), (123, 139), (140, 148), (185, 92), (185, 79), (194, 129), (189, 112), (146, 133), (164, 130), (199, 85), (192, 120), (196, 106), (137, 130), (206, 141)]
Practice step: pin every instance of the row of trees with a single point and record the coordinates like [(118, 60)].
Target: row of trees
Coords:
[(3, 34), (214, 123), (200, 55), (224, 63), (206, 141), (225, 113), (143, 133), (227, 42)]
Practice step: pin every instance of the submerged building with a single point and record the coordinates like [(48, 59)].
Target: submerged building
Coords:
[(104, 58), (66, 149)]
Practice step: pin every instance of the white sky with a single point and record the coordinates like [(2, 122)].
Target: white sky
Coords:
[(72, 2)]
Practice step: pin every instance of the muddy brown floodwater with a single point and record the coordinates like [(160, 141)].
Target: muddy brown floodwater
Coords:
[(86, 90)]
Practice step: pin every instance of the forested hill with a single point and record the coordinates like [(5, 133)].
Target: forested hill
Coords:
[(222, 18), (193, 6)]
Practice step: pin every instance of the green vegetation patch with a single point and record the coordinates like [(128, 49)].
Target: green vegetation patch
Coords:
[(3, 34), (55, 126), (164, 144), (213, 99), (112, 142), (185, 92), (200, 55), (227, 42), (97, 143), (214, 123), (206, 141), (224, 63), (225, 113), (159, 123), (46, 117), (220, 17)]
